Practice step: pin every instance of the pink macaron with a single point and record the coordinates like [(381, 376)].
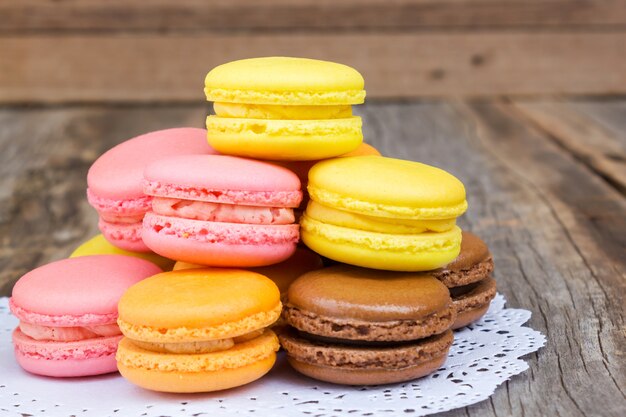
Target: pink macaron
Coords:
[(68, 312), (114, 181), (221, 210)]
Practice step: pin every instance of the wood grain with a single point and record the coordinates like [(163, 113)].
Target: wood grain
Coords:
[(171, 68), (557, 230), (588, 141), (28, 16)]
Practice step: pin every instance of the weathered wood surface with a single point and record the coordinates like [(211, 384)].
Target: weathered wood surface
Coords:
[(556, 226), (27, 16), (155, 67)]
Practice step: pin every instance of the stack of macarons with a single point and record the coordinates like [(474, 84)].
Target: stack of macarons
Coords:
[(222, 204)]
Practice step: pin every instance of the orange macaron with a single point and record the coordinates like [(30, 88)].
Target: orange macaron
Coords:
[(198, 330)]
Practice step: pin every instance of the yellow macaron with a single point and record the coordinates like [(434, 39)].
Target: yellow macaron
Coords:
[(98, 245), (383, 213), (283, 108), (198, 330)]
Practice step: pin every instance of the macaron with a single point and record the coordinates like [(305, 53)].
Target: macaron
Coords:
[(361, 326), (283, 108), (469, 280), (98, 245), (221, 210), (68, 311), (284, 273), (115, 181), (383, 213), (198, 330)]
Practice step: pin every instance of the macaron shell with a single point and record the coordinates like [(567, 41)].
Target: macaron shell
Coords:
[(362, 365), (460, 277), (79, 291), (473, 304), (98, 245), (294, 140), (220, 173), (377, 296), (219, 244), (126, 236), (118, 173), (367, 377), (421, 252), (189, 382), (66, 359), (387, 187), (199, 301), (284, 81), (243, 363), (473, 251)]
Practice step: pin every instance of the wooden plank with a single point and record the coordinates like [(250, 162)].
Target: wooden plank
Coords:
[(609, 113), (28, 16), (589, 141), (171, 68), (44, 158), (557, 230)]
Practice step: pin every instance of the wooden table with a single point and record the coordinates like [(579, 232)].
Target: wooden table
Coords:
[(545, 182)]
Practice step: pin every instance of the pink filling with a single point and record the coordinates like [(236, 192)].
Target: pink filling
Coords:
[(111, 218), (216, 212), (68, 334)]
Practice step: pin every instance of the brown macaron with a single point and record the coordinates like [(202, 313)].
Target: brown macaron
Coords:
[(360, 326), (469, 280)]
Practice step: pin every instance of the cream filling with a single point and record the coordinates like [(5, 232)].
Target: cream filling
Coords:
[(216, 212), (351, 220), (68, 334), (266, 111), (199, 346)]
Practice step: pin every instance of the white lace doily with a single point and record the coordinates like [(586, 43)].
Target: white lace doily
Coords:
[(483, 356)]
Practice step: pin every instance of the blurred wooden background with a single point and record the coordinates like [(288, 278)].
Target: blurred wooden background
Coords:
[(57, 51)]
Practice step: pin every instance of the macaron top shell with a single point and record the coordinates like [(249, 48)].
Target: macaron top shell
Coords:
[(118, 173), (387, 187), (473, 251), (221, 172), (348, 292), (286, 81), (78, 291), (197, 299)]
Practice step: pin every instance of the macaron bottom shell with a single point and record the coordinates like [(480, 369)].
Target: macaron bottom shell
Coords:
[(381, 251), (125, 236), (291, 140), (473, 301), (352, 365), (216, 253), (186, 373), (66, 359)]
